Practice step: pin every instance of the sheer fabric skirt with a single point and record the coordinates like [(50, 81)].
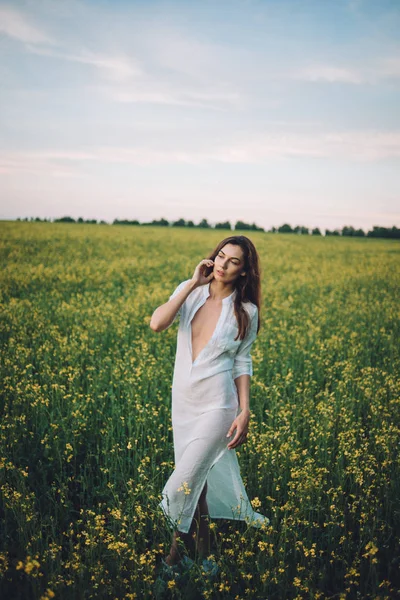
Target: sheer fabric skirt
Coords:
[(202, 413)]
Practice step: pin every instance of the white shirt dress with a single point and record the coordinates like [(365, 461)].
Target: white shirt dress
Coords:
[(204, 404)]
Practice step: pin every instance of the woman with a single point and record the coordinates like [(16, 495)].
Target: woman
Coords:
[(219, 321)]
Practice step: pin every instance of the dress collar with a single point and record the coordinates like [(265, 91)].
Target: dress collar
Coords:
[(227, 300)]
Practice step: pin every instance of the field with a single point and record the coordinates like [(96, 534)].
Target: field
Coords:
[(86, 440)]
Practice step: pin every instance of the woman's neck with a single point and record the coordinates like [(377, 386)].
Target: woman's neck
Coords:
[(219, 290)]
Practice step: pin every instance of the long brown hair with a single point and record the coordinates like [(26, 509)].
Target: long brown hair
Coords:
[(248, 287)]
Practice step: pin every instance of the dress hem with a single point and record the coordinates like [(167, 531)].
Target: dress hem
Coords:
[(257, 521)]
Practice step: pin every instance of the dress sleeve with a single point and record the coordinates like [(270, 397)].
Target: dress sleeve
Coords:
[(243, 364), (174, 293)]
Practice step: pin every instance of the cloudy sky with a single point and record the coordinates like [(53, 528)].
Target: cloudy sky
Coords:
[(270, 111)]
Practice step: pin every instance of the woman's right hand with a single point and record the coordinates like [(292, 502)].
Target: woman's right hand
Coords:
[(198, 276)]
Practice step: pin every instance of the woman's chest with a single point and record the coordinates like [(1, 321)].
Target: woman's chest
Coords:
[(213, 325), (205, 319)]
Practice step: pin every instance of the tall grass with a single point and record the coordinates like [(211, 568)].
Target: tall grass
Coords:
[(86, 439)]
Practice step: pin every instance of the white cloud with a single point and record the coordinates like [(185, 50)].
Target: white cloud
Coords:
[(17, 26), (149, 90), (118, 68), (132, 83), (356, 146), (160, 65), (374, 72), (366, 146), (330, 74)]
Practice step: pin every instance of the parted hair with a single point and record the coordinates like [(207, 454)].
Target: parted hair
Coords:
[(248, 287)]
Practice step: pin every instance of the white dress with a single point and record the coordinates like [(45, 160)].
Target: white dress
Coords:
[(204, 404)]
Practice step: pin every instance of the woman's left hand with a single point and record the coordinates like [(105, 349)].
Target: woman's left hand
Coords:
[(241, 424)]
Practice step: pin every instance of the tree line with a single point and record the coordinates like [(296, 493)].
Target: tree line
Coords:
[(377, 231)]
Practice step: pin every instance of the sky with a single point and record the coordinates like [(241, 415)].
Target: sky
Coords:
[(268, 111)]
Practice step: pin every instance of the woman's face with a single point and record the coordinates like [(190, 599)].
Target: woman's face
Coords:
[(229, 263)]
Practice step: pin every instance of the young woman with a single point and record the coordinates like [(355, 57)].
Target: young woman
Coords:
[(219, 321)]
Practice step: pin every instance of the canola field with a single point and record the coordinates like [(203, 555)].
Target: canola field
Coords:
[(85, 426)]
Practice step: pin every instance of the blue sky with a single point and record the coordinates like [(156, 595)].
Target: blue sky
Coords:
[(273, 112)]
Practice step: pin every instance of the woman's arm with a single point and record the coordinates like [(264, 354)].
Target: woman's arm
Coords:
[(242, 371), (165, 314), (243, 387), (243, 363), (241, 423)]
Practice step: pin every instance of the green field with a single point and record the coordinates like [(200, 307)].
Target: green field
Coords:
[(86, 439)]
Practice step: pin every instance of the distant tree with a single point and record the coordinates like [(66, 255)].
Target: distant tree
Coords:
[(224, 225), (286, 228), (126, 222), (384, 232), (348, 230), (255, 227), (64, 220), (161, 222), (351, 231), (374, 232), (179, 223), (301, 230), (204, 224), (242, 225)]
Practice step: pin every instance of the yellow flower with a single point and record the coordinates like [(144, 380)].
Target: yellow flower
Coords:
[(185, 488)]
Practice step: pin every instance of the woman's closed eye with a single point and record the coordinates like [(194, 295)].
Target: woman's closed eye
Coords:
[(222, 256)]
